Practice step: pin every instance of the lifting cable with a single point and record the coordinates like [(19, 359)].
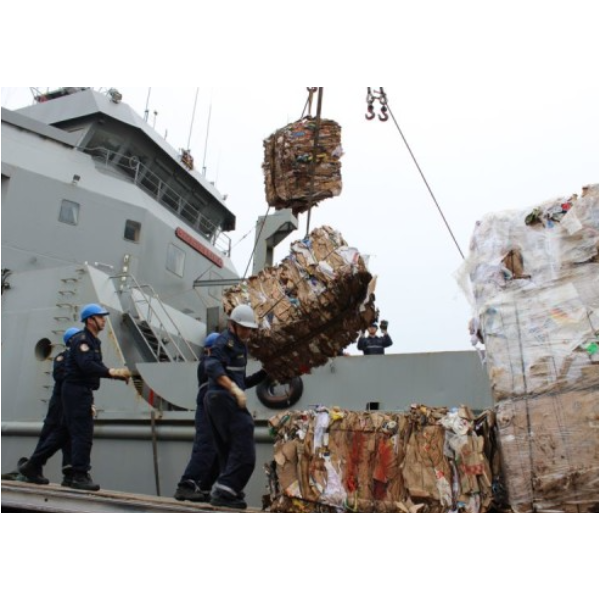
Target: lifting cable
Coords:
[(385, 108), (315, 149)]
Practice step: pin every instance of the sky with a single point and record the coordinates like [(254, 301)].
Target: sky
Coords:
[(501, 144)]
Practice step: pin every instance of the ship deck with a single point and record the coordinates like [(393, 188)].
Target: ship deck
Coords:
[(26, 497)]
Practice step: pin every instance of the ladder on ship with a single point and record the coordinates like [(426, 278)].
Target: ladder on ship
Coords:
[(156, 334)]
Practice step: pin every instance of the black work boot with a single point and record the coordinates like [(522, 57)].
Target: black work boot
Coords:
[(15, 475), (67, 476), (83, 481), (188, 490), (223, 498), (32, 474)]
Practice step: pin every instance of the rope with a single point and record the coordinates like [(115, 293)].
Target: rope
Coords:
[(426, 182), (313, 166)]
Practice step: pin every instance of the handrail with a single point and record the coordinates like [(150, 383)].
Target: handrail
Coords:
[(144, 178), (147, 299)]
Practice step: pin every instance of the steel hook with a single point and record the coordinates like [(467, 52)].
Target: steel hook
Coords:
[(371, 113), (383, 116)]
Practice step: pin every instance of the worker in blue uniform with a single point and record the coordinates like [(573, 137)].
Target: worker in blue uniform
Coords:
[(203, 467), (374, 344), (83, 370), (54, 418), (231, 423)]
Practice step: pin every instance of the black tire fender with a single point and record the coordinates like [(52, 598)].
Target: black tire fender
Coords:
[(280, 395)]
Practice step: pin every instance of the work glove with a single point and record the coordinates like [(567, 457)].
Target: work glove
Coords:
[(239, 395), (123, 373), (384, 325), (94, 411)]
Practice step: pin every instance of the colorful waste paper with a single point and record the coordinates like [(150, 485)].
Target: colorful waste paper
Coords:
[(310, 306), (302, 164), (532, 276), (423, 460)]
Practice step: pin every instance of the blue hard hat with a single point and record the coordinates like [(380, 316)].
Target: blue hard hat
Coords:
[(69, 333), (92, 310), (210, 340)]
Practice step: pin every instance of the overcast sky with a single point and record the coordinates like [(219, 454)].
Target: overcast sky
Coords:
[(502, 143)]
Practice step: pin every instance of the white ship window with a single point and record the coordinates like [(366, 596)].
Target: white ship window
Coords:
[(132, 231), (175, 260), (69, 212)]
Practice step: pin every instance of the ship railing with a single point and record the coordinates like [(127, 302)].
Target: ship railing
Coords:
[(144, 178), (148, 308)]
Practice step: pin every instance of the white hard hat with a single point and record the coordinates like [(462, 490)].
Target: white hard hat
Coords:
[(243, 315)]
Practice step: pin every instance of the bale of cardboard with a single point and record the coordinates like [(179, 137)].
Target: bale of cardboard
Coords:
[(310, 306), (302, 164), (422, 460), (532, 275)]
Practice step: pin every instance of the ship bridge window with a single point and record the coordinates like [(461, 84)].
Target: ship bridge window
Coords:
[(69, 212), (132, 231), (175, 260)]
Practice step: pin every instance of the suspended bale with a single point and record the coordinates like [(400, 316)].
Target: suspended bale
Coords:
[(299, 175), (310, 306)]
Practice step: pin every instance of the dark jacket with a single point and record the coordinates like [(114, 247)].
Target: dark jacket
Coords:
[(374, 345), (229, 356), (84, 361)]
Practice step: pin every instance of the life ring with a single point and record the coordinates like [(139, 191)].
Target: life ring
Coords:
[(280, 395)]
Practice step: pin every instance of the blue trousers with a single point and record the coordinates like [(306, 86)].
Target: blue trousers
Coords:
[(55, 431), (77, 405), (233, 432), (203, 467)]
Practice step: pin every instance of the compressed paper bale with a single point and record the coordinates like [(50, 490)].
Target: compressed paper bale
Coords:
[(549, 447), (310, 306), (533, 277), (298, 175), (425, 460)]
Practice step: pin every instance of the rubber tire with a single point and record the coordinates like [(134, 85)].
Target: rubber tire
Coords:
[(264, 392)]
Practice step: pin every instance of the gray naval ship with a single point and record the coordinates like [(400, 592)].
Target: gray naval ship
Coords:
[(98, 208)]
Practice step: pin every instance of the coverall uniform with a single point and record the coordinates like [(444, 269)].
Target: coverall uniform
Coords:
[(374, 344)]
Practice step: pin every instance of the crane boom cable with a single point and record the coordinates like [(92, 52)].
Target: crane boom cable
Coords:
[(426, 182), (314, 154)]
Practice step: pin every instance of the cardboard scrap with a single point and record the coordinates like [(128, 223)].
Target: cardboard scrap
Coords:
[(533, 275), (310, 306), (299, 175), (425, 460), (549, 449)]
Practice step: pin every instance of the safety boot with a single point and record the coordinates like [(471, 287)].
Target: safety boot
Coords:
[(31, 473), (222, 498), (188, 490), (67, 472), (83, 481)]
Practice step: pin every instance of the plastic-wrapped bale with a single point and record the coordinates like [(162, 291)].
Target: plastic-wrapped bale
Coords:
[(298, 175), (534, 282), (425, 460), (310, 306), (549, 446)]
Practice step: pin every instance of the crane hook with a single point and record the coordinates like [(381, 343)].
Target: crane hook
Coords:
[(371, 113)]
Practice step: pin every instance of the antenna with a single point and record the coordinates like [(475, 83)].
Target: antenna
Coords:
[(206, 141), (188, 147), (146, 112)]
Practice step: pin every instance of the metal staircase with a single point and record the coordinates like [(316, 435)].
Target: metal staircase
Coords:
[(147, 319)]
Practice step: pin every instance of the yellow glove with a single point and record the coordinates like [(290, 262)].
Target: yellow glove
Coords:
[(123, 373), (94, 411), (239, 395)]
